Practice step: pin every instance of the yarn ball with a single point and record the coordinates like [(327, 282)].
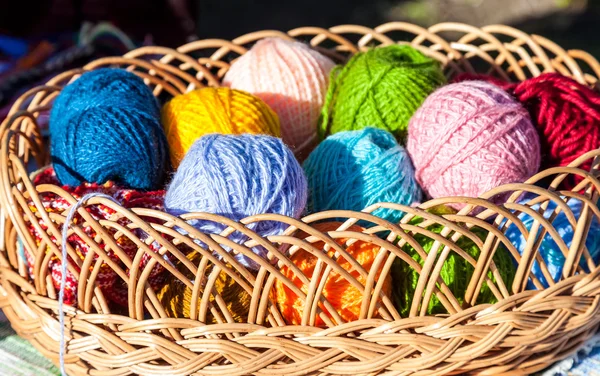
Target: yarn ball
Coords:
[(565, 113), (237, 176), (549, 250), (292, 79), (354, 169), (345, 298), (176, 297), (208, 110), (380, 88), (470, 137), (106, 126), (107, 279), (456, 272)]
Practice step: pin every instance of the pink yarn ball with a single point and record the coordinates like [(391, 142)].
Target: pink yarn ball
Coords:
[(470, 137), (292, 79)]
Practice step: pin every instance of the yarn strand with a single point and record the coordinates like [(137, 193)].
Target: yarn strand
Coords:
[(63, 268)]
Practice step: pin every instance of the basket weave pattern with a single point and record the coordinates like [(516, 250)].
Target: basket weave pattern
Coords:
[(524, 332)]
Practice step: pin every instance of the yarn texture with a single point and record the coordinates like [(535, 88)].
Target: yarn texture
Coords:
[(565, 113), (292, 79), (208, 110), (470, 137), (549, 250), (379, 88), (106, 126), (354, 169), (176, 297), (456, 272), (237, 176), (345, 298), (107, 278)]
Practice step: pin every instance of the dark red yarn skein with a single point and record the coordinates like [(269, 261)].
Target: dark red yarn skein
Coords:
[(565, 112)]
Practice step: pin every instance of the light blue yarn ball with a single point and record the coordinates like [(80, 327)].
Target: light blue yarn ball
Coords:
[(237, 176), (106, 126), (354, 169), (551, 254)]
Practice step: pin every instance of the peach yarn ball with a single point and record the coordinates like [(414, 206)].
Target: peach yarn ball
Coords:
[(345, 298), (292, 79)]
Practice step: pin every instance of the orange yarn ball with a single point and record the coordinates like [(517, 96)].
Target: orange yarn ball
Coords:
[(345, 298)]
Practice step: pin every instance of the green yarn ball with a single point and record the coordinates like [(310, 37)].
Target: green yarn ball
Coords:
[(379, 88), (456, 272)]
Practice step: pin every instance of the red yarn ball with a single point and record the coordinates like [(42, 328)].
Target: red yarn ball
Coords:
[(565, 113)]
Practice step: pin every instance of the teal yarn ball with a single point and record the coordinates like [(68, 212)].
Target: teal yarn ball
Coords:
[(106, 126), (354, 169), (381, 88), (549, 250)]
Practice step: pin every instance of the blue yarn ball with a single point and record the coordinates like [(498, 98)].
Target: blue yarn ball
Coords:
[(354, 169), (237, 176), (551, 254), (106, 126)]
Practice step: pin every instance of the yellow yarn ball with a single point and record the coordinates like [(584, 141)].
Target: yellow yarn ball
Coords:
[(188, 117), (176, 297)]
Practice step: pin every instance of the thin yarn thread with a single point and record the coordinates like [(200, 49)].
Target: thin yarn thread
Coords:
[(63, 268)]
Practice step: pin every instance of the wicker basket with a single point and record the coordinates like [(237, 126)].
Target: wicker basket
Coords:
[(524, 332)]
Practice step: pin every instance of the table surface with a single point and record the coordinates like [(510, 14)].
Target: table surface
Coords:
[(18, 357)]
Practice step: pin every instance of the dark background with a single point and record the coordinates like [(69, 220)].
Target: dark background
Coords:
[(571, 23)]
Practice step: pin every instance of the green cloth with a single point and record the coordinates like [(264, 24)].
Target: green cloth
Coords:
[(18, 357)]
